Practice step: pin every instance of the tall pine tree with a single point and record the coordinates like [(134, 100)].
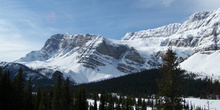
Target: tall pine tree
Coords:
[(81, 102), (19, 90), (5, 92), (95, 98), (43, 103), (28, 96), (170, 83), (37, 100), (57, 98), (67, 98), (102, 105)]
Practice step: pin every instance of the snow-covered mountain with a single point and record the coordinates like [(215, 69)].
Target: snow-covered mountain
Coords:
[(196, 42), (37, 78), (86, 58)]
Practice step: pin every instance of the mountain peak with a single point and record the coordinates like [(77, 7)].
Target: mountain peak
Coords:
[(86, 57), (196, 21), (163, 31)]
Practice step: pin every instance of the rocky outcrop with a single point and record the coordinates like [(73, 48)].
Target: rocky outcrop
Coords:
[(115, 51)]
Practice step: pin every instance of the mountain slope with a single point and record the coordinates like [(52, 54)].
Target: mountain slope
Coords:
[(204, 63), (87, 58), (84, 58), (36, 77), (191, 40)]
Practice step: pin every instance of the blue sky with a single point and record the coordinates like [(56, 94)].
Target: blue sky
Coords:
[(25, 25)]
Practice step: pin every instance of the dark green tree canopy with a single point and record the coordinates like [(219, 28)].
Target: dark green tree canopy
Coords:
[(170, 83)]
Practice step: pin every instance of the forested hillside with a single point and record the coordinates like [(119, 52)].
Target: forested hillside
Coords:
[(144, 83), (14, 93)]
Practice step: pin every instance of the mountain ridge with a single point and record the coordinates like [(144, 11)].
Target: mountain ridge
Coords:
[(87, 58)]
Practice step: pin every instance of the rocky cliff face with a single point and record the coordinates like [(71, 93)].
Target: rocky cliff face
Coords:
[(89, 52), (163, 31), (200, 31)]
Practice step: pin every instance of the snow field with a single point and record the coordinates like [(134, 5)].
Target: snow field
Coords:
[(206, 104)]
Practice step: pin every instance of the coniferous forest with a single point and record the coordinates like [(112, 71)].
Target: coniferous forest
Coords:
[(162, 89)]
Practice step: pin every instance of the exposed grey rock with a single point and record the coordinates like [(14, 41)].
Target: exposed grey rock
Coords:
[(126, 68), (133, 55), (115, 51)]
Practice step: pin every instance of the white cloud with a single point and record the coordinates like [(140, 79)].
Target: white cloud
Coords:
[(16, 36), (207, 5), (12, 48), (21, 30), (167, 2), (152, 3)]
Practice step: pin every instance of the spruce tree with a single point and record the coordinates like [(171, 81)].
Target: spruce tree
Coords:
[(110, 102), (1, 71), (102, 105), (57, 98), (19, 90), (95, 98), (170, 85), (81, 102), (43, 103), (6, 89), (28, 96), (50, 98), (37, 99), (139, 103), (144, 105), (67, 101), (118, 103)]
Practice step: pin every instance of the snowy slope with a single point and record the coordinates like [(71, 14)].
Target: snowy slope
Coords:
[(84, 58), (87, 58), (163, 31), (204, 63), (198, 35)]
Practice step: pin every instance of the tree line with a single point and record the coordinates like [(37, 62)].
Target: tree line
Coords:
[(169, 84), (16, 95)]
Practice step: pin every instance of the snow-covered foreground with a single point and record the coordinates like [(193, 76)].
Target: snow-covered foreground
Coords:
[(206, 104), (195, 102)]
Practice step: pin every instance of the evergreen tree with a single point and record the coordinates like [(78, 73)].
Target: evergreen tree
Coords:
[(1, 71), (129, 104), (37, 99), (102, 105), (139, 103), (57, 98), (144, 105), (110, 102), (91, 106), (19, 90), (95, 98), (50, 99), (67, 101), (28, 96), (170, 85), (118, 104), (81, 102), (43, 103), (6, 89)]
